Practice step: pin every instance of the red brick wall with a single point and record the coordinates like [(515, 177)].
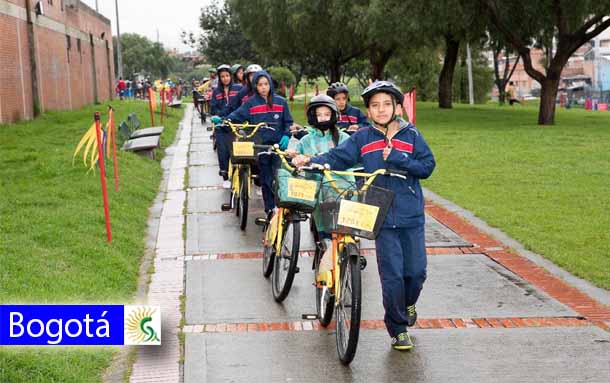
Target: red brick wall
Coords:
[(65, 75), (15, 82)]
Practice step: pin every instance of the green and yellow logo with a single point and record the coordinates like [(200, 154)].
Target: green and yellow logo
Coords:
[(142, 325)]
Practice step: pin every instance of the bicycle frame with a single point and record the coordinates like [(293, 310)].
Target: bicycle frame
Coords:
[(340, 241)]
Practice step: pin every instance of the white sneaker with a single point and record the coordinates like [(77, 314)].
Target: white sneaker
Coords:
[(226, 184)]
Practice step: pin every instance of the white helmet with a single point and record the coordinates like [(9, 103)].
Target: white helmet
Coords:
[(253, 68)]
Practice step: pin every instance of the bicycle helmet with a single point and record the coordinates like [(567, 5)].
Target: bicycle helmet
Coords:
[(253, 68), (336, 88), (321, 100), (223, 67), (235, 68), (382, 87)]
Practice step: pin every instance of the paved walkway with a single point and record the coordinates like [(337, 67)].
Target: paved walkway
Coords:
[(487, 314)]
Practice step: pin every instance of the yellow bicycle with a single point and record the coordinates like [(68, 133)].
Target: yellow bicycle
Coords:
[(348, 212), (243, 156), (295, 196)]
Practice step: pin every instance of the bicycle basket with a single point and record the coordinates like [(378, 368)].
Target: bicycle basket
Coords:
[(355, 212), (295, 192), (243, 151)]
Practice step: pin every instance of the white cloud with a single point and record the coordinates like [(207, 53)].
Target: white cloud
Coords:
[(145, 17)]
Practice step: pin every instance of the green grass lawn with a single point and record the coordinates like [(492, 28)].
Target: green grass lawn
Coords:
[(546, 186), (53, 244)]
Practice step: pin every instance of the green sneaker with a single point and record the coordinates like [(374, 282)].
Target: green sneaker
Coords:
[(402, 342), (411, 316)]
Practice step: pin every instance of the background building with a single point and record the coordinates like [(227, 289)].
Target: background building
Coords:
[(54, 55)]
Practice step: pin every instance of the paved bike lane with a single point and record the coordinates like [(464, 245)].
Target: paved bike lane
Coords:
[(486, 313)]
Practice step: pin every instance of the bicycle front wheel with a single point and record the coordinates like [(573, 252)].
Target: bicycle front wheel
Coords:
[(243, 198), (285, 265), (349, 307)]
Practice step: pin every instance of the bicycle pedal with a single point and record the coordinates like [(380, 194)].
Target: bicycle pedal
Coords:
[(310, 317), (225, 207), (298, 269), (363, 263)]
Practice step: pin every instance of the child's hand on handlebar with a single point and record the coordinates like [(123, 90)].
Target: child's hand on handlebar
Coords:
[(290, 153), (300, 160)]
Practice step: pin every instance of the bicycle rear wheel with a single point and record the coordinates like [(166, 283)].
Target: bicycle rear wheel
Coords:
[(243, 198), (285, 265), (349, 307)]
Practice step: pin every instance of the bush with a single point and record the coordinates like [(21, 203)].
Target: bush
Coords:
[(279, 74)]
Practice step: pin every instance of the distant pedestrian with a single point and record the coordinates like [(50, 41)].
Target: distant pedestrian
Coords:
[(511, 91), (121, 86)]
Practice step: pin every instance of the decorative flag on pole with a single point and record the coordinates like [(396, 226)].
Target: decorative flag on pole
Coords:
[(151, 105)]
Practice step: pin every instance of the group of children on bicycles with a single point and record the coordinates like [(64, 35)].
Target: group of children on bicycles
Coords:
[(341, 136)]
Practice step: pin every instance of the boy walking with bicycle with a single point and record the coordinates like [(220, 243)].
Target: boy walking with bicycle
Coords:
[(392, 143)]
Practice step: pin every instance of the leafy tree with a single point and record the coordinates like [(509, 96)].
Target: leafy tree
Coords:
[(419, 68), (482, 77), (222, 39), (312, 33), (560, 27), (453, 22), (140, 55), (499, 47)]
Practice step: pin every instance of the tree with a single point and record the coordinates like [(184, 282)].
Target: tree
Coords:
[(499, 46), (482, 76), (417, 67), (559, 26), (452, 22), (312, 33), (222, 39), (383, 38), (140, 55)]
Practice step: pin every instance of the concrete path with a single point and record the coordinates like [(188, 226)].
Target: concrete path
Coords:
[(487, 314)]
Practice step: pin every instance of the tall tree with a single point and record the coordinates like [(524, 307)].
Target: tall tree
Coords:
[(383, 38), (502, 75), (140, 55), (321, 32), (222, 39), (452, 22), (559, 26)]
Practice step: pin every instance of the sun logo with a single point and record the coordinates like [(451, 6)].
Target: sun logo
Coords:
[(139, 326)]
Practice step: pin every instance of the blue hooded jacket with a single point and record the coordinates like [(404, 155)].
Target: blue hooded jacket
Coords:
[(352, 116), (255, 110), (222, 104), (244, 94), (410, 152)]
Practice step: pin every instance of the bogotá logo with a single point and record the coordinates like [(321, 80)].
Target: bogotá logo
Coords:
[(142, 325)]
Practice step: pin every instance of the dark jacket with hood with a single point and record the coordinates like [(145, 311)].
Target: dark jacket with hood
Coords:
[(410, 152), (223, 103), (256, 110)]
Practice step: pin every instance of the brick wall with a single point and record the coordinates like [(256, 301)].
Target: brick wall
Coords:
[(63, 54)]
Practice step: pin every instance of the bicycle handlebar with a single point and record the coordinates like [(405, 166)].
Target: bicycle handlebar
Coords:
[(370, 177), (275, 149), (237, 129)]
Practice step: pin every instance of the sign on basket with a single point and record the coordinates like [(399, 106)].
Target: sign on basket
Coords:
[(243, 149), (357, 215), (302, 189)]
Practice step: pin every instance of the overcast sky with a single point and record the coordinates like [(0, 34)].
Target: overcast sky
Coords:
[(144, 17)]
